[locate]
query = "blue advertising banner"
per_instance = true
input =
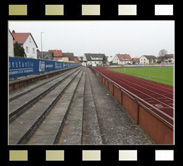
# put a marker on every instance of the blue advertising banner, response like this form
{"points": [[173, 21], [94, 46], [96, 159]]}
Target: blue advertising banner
{"points": [[20, 67]]}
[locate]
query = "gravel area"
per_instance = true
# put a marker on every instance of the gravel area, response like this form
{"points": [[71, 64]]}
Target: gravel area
{"points": [[116, 126]]}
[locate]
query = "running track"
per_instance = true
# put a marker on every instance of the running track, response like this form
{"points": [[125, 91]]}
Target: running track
{"points": [[155, 96]]}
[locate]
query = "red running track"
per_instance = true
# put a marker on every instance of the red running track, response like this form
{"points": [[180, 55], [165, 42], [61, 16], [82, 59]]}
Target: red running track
{"points": [[155, 96]]}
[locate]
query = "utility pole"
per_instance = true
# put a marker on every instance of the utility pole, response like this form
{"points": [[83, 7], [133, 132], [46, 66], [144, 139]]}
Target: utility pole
{"points": [[41, 45]]}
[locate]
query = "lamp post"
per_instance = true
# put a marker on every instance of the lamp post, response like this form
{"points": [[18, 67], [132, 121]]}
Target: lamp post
{"points": [[41, 45]]}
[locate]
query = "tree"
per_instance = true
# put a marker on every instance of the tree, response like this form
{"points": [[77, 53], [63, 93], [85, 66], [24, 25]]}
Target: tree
{"points": [[163, 52], [18, 50], [104, 59]]}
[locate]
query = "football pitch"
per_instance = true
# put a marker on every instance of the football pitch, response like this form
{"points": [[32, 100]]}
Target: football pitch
{"points": [[162, 75]]}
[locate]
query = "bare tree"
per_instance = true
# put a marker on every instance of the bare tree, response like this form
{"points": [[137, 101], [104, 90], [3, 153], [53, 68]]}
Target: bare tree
{"points": [[163, 52]]}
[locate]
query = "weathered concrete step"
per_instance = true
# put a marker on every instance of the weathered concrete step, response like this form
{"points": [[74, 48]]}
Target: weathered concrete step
{"points": [[24, 90], [24, 126], [21, 104], [49, 131], [91, 130], [72, 130], [20, 82]]}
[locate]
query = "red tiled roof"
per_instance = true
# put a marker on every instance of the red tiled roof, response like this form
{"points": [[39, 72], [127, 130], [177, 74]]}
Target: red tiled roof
{"points": [[124, 57], [57, 53], [20, 37], [135, 59]]}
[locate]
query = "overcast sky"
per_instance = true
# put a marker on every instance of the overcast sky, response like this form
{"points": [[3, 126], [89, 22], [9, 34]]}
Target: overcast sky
{"points": [[136, 38]]}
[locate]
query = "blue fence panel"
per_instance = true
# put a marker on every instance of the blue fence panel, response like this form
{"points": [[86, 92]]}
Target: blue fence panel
{"points": [[20, 67]]}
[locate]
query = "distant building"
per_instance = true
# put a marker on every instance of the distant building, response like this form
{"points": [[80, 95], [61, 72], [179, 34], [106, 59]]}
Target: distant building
{"points": [[135, 61], [122, 59], [168, 58], [68, 57], [57, 54], [27, 41], [46, 55], [93, 59], [147, 59], [77, 59], [110, 58], [10, 44]]}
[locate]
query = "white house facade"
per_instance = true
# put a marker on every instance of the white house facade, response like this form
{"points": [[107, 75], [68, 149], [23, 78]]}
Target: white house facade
{"points": [[27, 41], [93, 59], [168, 59], [116, 60], [10, 45], [30, 47], [147, 59], [122, 59]]}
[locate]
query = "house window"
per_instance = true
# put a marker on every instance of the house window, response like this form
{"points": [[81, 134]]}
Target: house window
{"points": [[30, 40], [27, 49], [33, 50]]}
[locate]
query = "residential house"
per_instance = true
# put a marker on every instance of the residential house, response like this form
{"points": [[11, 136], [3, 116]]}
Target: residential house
{"points": [[27, 41], [68, 57], [46, 55], [135, 61], [168, 58], [77, 59], [10, 44], [122, 59], [110, 58], [160, 59], [57, 54], [83, 63], [147, 59], [93, 59]]}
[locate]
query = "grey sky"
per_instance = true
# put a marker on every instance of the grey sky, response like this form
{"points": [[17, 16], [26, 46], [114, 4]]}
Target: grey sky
{"points": [[136, 38]]}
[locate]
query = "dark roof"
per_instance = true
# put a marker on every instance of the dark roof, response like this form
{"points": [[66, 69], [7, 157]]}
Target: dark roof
{"points": [[45, 55], [168, 56], [69, 55], [94, 57], [150, 56]]}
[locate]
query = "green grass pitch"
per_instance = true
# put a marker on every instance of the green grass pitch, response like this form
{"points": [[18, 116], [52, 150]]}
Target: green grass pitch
{"points": [[162, 75]]}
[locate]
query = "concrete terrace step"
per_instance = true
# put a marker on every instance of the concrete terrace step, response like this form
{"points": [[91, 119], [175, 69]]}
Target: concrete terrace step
{"points": [[91, 130], [24, 90], [49, 131], [19, 105], [24, 126], [72, 131]]}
